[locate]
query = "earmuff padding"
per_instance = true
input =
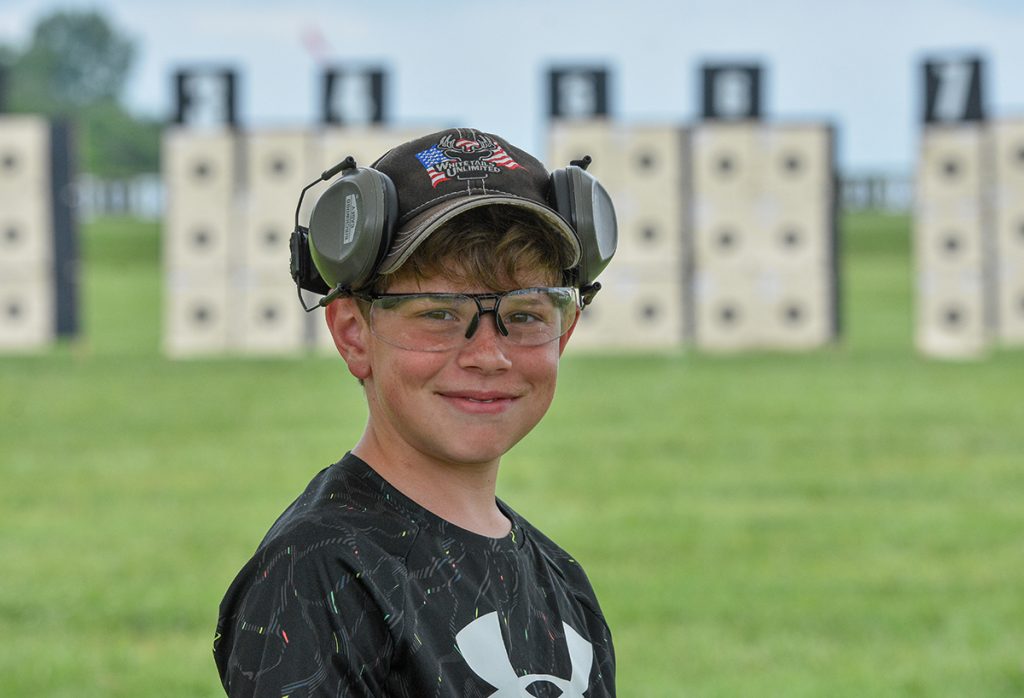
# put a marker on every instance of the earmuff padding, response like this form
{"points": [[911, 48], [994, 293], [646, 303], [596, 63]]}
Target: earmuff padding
{"points": [[351, 226], [580, 199]]}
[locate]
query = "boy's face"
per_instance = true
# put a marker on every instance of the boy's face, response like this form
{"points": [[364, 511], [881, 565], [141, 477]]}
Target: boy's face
{"points": [[467, 405]]}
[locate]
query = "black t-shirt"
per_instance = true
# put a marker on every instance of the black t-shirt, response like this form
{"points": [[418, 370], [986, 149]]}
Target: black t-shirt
{"points": [[359, 591]]}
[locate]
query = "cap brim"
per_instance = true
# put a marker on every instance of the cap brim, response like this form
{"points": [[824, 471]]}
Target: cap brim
{"points": [[419, 228]]}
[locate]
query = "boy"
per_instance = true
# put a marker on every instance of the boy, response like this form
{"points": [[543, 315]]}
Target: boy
{"points": [[398, 572]]}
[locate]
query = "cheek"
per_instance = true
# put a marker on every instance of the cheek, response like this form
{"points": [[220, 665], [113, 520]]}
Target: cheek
{"points": [[542, 368], [398, 374]]}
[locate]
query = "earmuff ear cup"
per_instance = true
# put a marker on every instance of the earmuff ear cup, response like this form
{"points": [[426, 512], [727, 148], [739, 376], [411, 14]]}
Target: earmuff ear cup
{"points": [[351, 226], [585, 204]]}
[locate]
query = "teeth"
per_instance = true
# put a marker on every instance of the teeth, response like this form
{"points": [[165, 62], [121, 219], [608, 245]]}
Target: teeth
{"points": [[483, 401]]}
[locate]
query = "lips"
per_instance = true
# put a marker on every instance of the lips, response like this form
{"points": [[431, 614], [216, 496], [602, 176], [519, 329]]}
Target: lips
{"points": [[479, 402]]}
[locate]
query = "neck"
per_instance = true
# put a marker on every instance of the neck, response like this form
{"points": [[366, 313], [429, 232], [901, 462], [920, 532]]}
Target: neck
{"points": [[460, 493]]}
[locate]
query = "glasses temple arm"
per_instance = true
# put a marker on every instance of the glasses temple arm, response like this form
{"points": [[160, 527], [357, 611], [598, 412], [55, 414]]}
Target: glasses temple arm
{"points": [[338, 291]]}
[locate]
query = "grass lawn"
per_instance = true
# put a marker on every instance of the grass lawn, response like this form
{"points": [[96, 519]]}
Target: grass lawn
{"points": [[843, 523]]}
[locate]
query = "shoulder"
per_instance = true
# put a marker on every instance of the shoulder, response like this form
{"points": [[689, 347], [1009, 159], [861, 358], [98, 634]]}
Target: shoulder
{"points": [[559, 561], [567, 590], [335, 560], [343, 526], [554, 553], [342, 534], [347, 511]]}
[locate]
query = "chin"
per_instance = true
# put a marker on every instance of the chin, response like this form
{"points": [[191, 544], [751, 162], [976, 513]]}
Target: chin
{"points": [[471, 457], [479, 452]]}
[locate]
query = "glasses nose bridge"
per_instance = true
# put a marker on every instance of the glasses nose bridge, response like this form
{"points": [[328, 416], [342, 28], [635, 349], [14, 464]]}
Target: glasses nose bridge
{"points": [[493, 298], [494, 301]]}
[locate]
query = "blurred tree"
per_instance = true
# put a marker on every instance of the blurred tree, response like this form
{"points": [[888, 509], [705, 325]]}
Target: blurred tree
{"points": [[6, 58], [116, 144], [74, 59], [75, 67]]}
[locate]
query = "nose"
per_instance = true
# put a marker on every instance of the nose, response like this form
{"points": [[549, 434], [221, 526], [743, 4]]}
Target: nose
{"points": [[486, 349]]}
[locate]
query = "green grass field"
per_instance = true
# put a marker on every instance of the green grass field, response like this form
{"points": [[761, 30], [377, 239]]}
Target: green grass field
{"points": [[843, 523]]}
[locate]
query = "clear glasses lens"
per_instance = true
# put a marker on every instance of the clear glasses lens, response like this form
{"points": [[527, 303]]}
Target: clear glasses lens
{"points": [[440, 321]]}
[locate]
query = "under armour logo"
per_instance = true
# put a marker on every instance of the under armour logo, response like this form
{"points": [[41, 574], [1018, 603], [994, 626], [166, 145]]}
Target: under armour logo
{"points": [[484, 651]]}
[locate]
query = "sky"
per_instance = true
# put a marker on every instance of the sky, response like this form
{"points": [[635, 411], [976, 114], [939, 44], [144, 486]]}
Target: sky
{"points": [[483, 63]]}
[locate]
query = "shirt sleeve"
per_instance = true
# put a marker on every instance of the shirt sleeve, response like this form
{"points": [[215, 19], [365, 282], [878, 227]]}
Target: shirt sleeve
{"points": [[308, 621]]}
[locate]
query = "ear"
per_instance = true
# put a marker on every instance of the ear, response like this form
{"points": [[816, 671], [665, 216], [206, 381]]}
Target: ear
{"points": [[351, 334], [564, 339]]}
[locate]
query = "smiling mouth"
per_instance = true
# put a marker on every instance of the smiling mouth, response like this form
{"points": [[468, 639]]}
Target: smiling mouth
{"points": [[481, 400]]}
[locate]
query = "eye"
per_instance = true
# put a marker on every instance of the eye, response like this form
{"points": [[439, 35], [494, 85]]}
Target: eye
{"points": [[535, 315], [522, 317], [529, 308], [438, 314], [434, 309]]}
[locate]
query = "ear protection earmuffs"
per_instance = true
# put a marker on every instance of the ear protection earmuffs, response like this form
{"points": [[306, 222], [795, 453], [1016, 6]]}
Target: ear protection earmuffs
{"points": [[351, 227], [353, 222], [580, 199]]}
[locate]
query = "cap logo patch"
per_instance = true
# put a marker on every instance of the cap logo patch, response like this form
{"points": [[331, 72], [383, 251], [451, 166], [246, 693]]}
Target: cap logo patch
{"points": [[464, 159]]}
